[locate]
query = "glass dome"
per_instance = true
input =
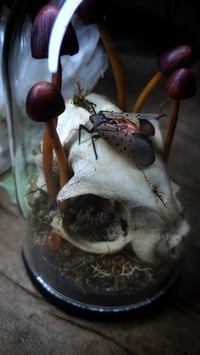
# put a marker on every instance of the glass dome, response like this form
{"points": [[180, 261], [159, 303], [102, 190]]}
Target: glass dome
{"points": [[105, 230]]}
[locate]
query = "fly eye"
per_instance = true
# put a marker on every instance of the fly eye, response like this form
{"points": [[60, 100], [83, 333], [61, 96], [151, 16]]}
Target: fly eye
{"points": [[146, 128]]}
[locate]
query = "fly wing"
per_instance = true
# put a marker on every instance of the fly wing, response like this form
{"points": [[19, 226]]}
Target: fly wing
{"points": [[136, 147], [145, 116], [143, 150], [141, 120], [112, 115], [131, 116]]}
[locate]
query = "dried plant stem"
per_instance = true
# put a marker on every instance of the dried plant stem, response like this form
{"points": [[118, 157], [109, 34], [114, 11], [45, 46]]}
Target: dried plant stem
{"points": [[115, 64], [173, 118], [147, 90]]}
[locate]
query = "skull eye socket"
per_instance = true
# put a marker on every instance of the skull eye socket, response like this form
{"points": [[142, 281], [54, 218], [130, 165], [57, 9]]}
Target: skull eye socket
{"points": [[94, 216]]}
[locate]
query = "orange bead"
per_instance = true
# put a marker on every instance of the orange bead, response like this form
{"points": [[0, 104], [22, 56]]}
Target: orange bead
{"points": [[54, 241], [65, 250]]}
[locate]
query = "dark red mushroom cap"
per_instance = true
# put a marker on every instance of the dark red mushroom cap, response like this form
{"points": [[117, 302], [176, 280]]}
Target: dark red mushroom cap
{"points": [[92, 11], [181, 84], [44, 102], [174, 58], [33, 6], [41, 31], [70, 44]]}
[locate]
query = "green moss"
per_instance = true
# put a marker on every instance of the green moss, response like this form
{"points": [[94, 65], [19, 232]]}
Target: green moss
{"points": [[80, 100]]}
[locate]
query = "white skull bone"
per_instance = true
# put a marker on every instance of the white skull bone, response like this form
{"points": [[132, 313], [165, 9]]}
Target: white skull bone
{"points": [[112, 202]]}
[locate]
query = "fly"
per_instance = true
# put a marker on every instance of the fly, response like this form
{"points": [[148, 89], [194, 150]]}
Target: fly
{"points": [[129, 133]]}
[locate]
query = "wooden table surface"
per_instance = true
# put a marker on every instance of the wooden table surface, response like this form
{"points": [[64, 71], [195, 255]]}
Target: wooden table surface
{"points": [[31, 325]]}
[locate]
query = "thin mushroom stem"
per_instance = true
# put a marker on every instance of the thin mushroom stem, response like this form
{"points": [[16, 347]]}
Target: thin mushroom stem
{"points": [[41, 31], [115, 64], [44, 101], [180, 85], [47, 158], [58, 148], [47, 163], [147, 90], [173, 118], [56, 80]]}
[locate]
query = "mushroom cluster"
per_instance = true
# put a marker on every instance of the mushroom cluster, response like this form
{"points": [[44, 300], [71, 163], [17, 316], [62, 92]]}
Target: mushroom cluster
{"points": [[174, 65]]}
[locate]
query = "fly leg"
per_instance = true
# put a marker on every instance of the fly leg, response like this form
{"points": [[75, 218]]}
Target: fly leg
{"points": [[93, 137], [82, 127]]}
